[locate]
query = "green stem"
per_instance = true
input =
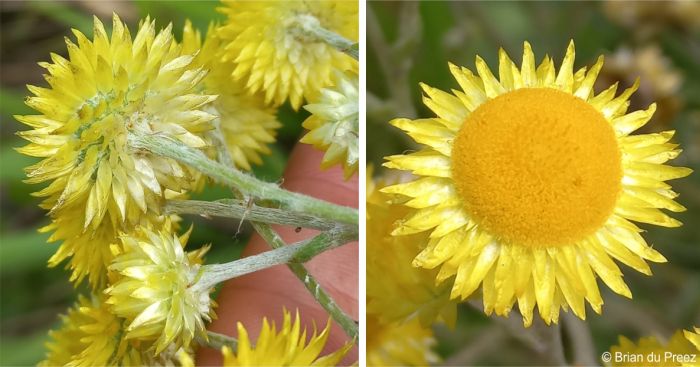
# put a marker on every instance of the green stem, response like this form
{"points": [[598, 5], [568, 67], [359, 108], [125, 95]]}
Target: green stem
{"points": [[324, 299], [246, 184], [231, 208], [309, 26], [301, 252]]}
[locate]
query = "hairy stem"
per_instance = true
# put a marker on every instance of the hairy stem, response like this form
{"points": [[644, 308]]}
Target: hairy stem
{"points": [[324, 299], [275, 241], [246, 184], [299, 252], [308, 26], [231, 208]]}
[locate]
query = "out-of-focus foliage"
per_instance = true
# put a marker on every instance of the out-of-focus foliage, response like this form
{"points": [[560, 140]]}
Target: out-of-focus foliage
{"points": [[31, 295], [658, 42]]}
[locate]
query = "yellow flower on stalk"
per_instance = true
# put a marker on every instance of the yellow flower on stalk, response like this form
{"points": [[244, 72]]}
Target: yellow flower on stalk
{"points": [[334, 124], [104, 91], [397, 291], [286, 347], [247, 123], [270, 56], [528, 185], [650, 351], [156, 293], [90, 336], [407, 344]]}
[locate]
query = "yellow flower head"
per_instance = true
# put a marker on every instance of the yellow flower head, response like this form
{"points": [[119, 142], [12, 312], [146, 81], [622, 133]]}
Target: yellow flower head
{"points": [[106, 89], [650, 352], [247, 123], [89, 252], [334, 124], [259, 38], [693, 337], [156, 292], [407, 344], [397, 291], [288, 347], [528, 185], [90, 336]]}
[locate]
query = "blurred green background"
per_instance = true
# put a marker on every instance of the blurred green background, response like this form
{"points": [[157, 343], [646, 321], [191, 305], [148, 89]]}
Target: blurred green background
{"points": [[32, 296], [412, 42]]}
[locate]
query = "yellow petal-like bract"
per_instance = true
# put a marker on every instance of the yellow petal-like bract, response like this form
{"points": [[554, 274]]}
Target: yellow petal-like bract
{"points": [[396, 291], [258, 37], [90, 335], [407, 344], [649, 351], [334, 124], [528, 185], [156, 293], [286, 347], [247, 123]]}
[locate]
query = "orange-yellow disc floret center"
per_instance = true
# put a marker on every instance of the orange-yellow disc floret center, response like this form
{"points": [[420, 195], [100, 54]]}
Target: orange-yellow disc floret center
{"points": [[537, 167]]}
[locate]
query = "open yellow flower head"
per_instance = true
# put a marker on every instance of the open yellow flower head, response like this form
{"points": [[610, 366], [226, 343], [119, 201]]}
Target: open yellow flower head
{"points": [[407, 344], [157, 293], [334, 124], [247, 123], [528, 185], [649, 351], [397, 291], [106, 89], [90, 335], [286, 347], [270, 56], [693, 337]]}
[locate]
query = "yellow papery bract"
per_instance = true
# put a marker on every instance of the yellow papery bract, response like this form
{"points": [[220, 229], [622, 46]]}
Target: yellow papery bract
{"points": [[466, 215], [155, 292], [396, 291], [107, 89], [269, 56], [90, 335], [407, 344], [248, 124], [286, 347], [649, 351], [334, 124]]}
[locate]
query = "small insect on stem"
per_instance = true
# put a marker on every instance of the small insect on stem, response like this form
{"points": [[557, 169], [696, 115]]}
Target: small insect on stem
{"points": [[248, 207]]}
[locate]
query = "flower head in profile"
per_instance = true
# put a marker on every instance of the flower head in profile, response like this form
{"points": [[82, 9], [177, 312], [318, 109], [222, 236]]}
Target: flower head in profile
{"points": [[678, 351], [247, 124], [286, 347], [270, 56], [406, 344], [398, 291], [334, 124], [105, 90], [90, 335], [528, 186], [156, 291]]}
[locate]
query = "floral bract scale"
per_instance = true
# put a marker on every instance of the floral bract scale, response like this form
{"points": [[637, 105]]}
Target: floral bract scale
{"points": [[271, 58], [334, 124]]}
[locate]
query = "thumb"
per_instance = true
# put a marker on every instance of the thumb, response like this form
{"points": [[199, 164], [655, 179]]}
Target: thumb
{"points": [[249, 298]]}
